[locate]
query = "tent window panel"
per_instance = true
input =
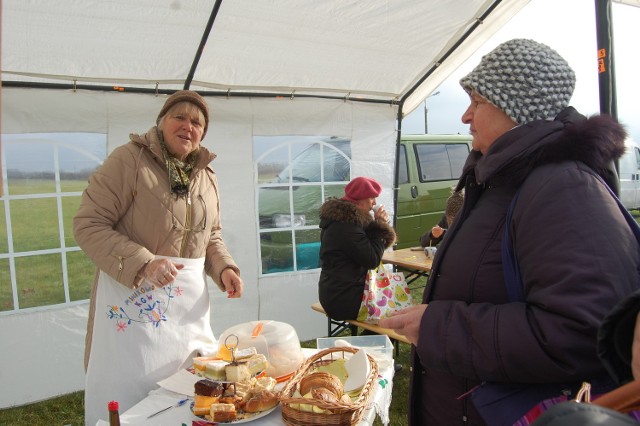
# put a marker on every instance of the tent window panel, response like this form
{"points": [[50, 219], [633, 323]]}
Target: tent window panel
{"points": [[4, 242], [276, 250], [308, 249], [81, 271], [316, 168], [69, 208], [6, 295], [306, 202], [44, 175], [34, 224], [39, 280]]}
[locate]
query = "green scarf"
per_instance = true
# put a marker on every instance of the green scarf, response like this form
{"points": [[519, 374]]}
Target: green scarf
{"points": [[179, 171]]}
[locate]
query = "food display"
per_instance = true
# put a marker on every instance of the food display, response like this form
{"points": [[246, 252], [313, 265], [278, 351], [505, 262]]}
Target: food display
{"points": [[233, 390], [277, 341], [316, 393]]}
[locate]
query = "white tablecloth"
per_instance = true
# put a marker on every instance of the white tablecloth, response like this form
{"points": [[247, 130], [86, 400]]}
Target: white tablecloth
{"points": [[161, 398]]}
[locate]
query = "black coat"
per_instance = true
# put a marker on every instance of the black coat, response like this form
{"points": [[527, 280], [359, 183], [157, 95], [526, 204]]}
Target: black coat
{"points": [[351, 243], [616, 336], [577, 258]]}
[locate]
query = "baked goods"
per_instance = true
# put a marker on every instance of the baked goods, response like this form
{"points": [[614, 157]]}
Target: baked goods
{"points": [[238, 372], [247, 397], [256, 364], [221, 412], [248, 363], [321, 379], [206, 392], [262, 384], [261, 402], [215, 369], [200, 362]]}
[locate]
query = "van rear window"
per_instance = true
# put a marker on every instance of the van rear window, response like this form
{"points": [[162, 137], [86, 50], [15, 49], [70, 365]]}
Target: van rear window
{"points": [[440, 161]]}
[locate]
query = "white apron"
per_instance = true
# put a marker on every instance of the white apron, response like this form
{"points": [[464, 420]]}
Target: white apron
{"points": [[145, 335]]}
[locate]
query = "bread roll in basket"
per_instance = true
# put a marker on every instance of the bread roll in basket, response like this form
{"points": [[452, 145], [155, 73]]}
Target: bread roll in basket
{"points": [[327, 394]]}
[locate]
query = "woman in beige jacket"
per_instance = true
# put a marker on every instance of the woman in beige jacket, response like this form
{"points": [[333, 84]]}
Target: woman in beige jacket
{"points": [[150, 221]]}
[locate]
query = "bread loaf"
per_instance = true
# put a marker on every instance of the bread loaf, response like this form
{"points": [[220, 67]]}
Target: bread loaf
{"points": [[325, 380], [324, 394]]}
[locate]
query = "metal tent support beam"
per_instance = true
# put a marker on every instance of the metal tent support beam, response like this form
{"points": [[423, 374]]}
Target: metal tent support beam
{"points": [[606, 70]]}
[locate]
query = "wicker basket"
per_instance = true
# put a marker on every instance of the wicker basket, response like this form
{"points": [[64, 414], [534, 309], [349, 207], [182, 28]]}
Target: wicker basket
{"points": [[341, 413]]}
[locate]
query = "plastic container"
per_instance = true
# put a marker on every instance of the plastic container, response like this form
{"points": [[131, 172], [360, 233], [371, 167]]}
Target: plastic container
{"points": [[378, 346], [278, 341]]}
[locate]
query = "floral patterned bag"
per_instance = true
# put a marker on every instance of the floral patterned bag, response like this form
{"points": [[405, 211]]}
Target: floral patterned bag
{"points": [[384, 293]]}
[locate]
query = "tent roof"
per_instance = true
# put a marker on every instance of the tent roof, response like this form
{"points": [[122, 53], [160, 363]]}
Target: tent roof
{"points": [[395, 51]]}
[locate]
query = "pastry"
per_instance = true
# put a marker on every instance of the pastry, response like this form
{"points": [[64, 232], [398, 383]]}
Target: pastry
{"points": [[321, 380], [261, 402], [223, 412]]}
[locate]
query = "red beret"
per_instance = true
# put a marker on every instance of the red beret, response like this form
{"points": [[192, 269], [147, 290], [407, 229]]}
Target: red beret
{"points": [[361, 188]]}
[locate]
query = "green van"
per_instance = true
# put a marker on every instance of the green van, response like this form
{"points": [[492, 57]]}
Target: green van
{"points": [[428, 167], [288, 204]]}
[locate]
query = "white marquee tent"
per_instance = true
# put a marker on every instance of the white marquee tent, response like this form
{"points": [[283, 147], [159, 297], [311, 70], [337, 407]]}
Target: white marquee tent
{"points": [[267, 67]]}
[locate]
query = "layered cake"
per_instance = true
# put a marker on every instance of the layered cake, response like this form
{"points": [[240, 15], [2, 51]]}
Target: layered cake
{"points": [[206, 392]]}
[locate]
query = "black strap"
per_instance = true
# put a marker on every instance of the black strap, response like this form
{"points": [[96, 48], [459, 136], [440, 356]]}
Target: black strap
{"points": [[510, 268]]}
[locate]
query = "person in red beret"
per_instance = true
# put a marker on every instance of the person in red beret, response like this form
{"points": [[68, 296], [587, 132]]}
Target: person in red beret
{"points": [[353, 238]]}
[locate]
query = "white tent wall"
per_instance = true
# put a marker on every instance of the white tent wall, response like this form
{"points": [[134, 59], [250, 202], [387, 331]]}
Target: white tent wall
{"points": [[47, 344]]}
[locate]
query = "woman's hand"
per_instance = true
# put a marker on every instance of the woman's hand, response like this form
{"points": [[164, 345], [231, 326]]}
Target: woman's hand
{"points": [[437, 231], [232, 282], [161, 272], [379, 213], [406, 322]]}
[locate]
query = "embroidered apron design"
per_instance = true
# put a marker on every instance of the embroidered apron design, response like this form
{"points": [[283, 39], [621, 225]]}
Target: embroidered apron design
{"points": [[144, 335]]}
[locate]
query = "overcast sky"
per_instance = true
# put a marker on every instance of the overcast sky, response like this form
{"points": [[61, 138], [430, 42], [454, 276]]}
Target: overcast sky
{"points": [[568, 26]]}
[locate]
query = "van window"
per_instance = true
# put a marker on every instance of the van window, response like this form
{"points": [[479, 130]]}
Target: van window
{"points": [[403, 168], [440, 161]]}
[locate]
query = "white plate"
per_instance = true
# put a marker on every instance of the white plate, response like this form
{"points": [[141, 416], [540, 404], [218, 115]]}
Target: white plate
{"points": [[249, 416], [358, 368]]}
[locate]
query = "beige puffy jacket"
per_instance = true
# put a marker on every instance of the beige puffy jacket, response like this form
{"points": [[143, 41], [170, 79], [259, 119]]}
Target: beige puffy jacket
{"points": [[127, 215]]}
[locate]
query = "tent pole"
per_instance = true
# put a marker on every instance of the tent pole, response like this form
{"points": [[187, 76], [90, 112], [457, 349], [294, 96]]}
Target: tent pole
{"points": [[203, 42], [396, 169], [606, 71]]}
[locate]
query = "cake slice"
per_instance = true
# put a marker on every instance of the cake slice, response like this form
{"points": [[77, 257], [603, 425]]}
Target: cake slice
{"points": [[216, 370], [223, 412], [256, 364], [242, 354], [206, 392], [200, 362], [238, 372]]}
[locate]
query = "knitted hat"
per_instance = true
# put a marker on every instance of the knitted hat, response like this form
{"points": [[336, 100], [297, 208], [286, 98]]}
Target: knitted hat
{"points": [[525, 79], [186, 96], [360, 188]]}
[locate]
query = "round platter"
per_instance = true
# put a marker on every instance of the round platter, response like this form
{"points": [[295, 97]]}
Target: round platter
{"points": [[242, 417]]}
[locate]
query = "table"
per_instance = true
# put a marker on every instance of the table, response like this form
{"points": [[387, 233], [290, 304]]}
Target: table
{"points": [[372, 327], [161, 398], [412, 260]]}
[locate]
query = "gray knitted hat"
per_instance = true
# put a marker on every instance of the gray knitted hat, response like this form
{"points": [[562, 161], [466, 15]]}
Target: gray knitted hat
{"points": [[525, 79]]}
